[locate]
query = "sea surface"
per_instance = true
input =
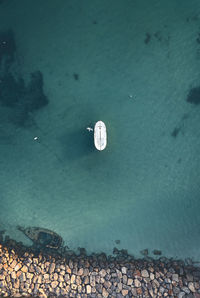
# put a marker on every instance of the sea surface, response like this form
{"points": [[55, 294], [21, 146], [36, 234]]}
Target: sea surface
{"points": [[134, 64]]}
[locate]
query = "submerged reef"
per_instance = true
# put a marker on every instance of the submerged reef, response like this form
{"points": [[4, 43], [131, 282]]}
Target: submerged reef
{"points": [[22, 99], [194, 96], [25, 272], [19, 98]]}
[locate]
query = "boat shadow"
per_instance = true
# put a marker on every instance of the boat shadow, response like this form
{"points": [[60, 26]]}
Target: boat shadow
{"points": [[77, 144]]}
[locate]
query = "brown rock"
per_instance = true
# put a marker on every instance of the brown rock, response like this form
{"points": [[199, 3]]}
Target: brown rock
{"points": [[107, 284], [124, 292], [2, 277], [67, 277], [79, 289], [29, 275], [86, 280], [130, 281], [54, 284], [74, 286], [191, 287], [80, 271], [124, 279], [68, 270], [139, 291], [16, 284], [124, 270], [137, 273], [78, 280], [13, 264], [22, 276], [52, 268], [39, 279], [60, 278], [46, 276], [17, 267], [105, 294], [88, 289], [24, 269], [145, 273], [137, 283], [55, 276], [13, 275], [119, 285], [102, 273], [73, 279]]}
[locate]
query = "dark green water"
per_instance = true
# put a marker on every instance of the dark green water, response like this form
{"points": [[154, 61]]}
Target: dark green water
{"points": [[132, 64]]}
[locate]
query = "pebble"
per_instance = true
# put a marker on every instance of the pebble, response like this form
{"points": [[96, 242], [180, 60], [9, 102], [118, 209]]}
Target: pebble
{"points": [[124, 292], [88, 289], [17, 267], [175, 277], [54, 284], [124, 270], [191, 287], [52, 268], [145, 273], [137, 283], [105, 293]]}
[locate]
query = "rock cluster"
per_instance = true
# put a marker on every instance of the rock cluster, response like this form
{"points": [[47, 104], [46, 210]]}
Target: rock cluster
{"points": [[94, 276]]}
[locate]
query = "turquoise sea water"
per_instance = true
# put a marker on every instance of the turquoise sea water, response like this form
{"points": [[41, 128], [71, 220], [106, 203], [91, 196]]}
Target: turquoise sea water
{"points": [[132, 65]]}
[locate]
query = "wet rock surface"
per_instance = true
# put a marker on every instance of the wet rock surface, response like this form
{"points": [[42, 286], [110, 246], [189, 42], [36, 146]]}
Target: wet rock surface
{"points": [[24, 272]]}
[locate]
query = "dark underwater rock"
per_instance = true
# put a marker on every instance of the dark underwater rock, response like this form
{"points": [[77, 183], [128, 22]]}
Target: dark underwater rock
{"points": [[22, 99], [144, 252], [175, 132], [11, 90], [157, 252], [35, 97], [194, 96]]}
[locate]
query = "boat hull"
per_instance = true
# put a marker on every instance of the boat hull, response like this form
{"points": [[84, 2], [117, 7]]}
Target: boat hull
{"points": [[42, 237], [100, 136]]}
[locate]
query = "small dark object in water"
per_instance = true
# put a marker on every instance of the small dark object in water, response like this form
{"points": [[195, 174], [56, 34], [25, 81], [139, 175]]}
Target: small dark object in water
{"points": [[148, 38], [82, 251], [94, 22], [198, 38], [117, 241], [76, 76], [42, 237], [144, 252], [1, 235], [157, 252], [194, 96], [175, 132]]}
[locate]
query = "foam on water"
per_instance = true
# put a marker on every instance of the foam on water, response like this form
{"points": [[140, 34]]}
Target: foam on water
{"points": [[144, 188]]}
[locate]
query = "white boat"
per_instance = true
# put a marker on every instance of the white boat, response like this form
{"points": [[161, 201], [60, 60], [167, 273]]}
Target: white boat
{"points": [[100, 135]]}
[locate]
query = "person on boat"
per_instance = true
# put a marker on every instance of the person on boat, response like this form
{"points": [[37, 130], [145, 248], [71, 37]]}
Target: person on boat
{"points": [[89, 129]]}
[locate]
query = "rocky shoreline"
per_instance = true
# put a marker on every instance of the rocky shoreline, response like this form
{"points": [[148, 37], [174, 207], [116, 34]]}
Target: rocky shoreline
{"points": [[25, 272]]}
